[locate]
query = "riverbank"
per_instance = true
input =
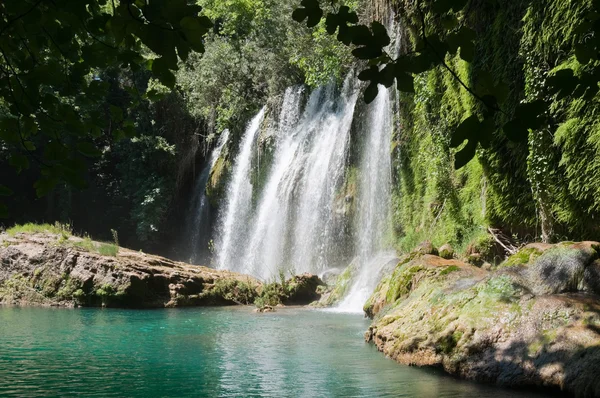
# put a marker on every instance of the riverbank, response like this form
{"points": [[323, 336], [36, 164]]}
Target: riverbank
{"points": [[533, 321], [49, 266]]}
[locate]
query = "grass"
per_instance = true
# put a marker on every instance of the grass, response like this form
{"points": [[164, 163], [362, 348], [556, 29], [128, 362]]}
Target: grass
{"points": [[65, 230], [108, 249]]}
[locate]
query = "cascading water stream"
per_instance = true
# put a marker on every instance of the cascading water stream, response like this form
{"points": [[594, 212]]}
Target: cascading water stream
{"points": [[293, 224], [239, 196], [374, 201], [374, 204], [198, 228]]}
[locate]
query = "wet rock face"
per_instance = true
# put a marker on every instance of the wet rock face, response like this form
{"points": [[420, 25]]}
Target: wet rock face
{"points": [[42, 269], [535, 321]]}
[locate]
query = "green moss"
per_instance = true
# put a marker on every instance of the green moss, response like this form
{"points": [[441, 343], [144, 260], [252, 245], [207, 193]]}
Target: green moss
{"points": [[342, 284], [450, 269], [401, 281], [522, 257], [236, 291]]}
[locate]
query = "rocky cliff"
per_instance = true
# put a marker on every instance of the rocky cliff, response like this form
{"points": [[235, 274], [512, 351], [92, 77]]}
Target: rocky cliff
{"points": [[532, 321]]}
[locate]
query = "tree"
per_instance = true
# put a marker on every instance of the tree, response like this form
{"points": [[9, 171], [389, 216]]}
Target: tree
{"points": [[52, 54]]}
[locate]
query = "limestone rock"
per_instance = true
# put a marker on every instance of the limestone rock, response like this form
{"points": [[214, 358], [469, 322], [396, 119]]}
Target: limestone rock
{"points": [[533, 323], [425, 247], [44, 269]]}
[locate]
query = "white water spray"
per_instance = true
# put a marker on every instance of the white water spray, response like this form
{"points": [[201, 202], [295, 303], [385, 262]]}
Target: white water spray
{"points": [[239, 196]]}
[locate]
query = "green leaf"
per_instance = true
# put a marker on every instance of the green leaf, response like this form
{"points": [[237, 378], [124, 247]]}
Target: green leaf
{"points": [[312, 12], [467, 130], [465, 155], [369, 74], [516, 131], [5, 191], [467, 52], [19, 162], [30, 146], [585, 54], [563, 83], [380, 35], [361, 35], [116, 113], [299, 14], [367, 52], [88, 149], [161, 70], [45, 186], [405, 82], [371, 93]]}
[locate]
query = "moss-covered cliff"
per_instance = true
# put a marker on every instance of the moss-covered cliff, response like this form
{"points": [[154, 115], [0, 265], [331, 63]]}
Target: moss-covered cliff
{"points": [[543, 189]]}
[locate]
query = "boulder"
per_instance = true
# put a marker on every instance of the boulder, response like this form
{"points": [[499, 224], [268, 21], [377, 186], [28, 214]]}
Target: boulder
{"points": [[303, 289], [425, 247], [446, 251]]}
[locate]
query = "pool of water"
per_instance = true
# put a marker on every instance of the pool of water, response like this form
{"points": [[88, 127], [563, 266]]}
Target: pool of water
{"points": [[227, 352]]}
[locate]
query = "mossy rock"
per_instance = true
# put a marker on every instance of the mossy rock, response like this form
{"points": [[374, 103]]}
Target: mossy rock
{"points": [[446, 251], [413, 273], [338, 291]]}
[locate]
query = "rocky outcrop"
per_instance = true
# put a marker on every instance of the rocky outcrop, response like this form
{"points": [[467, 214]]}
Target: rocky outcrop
{"points": [[303, 289], [534, 321], [48, 269]]}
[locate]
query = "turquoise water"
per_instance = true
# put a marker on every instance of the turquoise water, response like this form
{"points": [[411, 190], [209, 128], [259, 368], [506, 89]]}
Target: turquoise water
{"points": [[229, 352]]}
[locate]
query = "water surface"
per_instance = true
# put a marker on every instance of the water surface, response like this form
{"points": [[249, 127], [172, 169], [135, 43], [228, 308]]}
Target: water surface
{"points": [[227, 352]]}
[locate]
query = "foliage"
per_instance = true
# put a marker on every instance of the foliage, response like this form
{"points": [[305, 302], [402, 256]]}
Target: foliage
{"points": [[237, 291], [271, 295], [253, 55], [53, 56], [57, 228], [442, 33]]}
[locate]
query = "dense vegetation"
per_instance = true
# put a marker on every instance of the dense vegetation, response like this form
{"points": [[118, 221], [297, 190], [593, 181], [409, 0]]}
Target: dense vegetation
{"points": [[484, 60], [150, 131]]}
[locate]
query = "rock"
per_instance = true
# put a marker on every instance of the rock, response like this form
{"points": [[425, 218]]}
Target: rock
{"points": [[333, 294], [329, 277], [44, 269], [265, 308], [561, 269], [425, 247], [446, 251], [303, 289], [524, 325], [411, 272]]}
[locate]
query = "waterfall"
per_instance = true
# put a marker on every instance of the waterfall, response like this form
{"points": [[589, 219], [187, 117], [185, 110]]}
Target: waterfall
{"points": [[374, 201], [290, 220], [199, 227], [239, 196], [293, 226], [374, 204]]}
